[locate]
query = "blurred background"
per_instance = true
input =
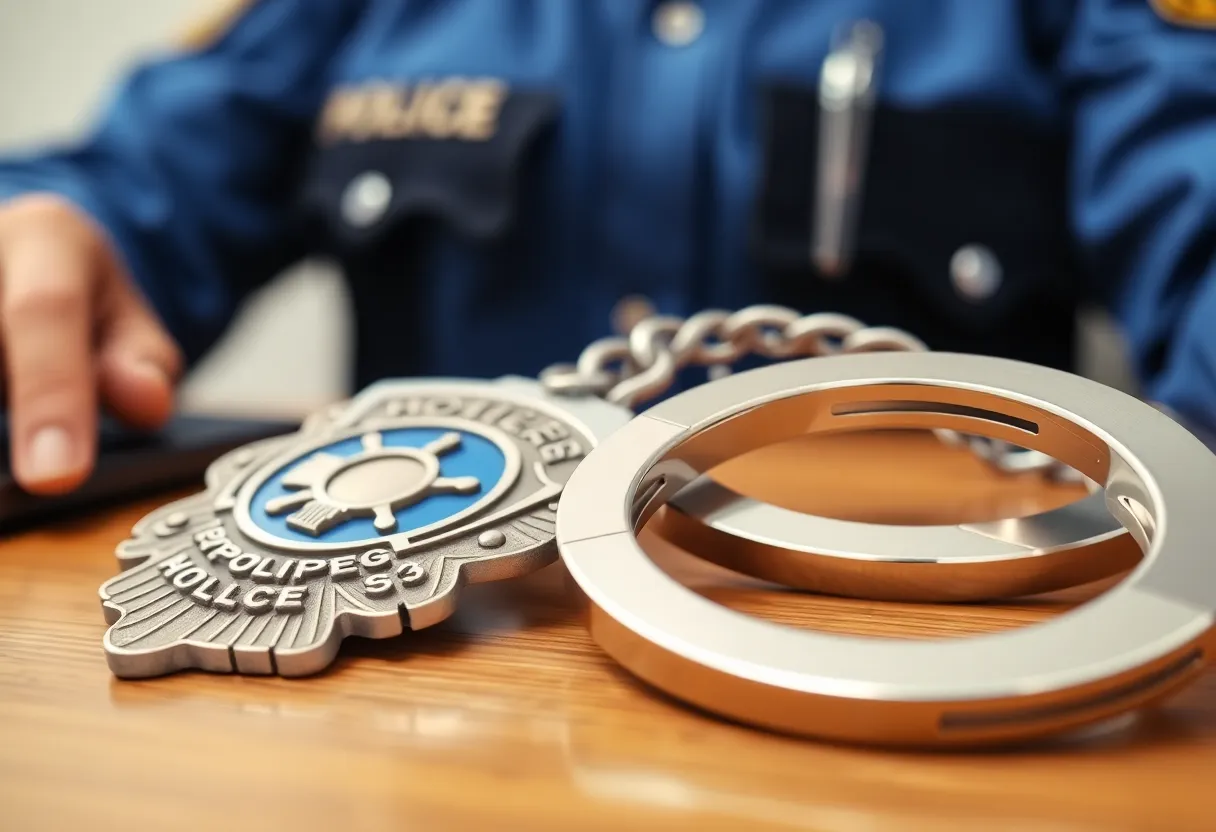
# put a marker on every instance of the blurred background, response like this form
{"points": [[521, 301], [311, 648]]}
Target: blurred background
{"points": [[58, 58], [289, 351]]}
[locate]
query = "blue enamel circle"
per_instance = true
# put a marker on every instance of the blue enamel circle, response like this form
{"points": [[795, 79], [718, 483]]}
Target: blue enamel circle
{"points": [[476, 456]]}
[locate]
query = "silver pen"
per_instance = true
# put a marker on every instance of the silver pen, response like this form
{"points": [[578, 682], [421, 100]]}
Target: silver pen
{"points": [[847, 84]]}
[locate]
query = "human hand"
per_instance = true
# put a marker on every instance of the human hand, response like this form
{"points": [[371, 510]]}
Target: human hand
{"points": [[75, 335]]}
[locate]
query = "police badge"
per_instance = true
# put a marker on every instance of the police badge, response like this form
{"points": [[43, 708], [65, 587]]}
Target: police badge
{"points": [[366, 522]]}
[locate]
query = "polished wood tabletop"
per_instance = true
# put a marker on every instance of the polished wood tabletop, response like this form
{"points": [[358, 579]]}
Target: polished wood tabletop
{"points": [[507, 716]]}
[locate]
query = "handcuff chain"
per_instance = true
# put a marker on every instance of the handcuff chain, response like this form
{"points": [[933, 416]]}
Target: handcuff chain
{"points": [[630, 370]]}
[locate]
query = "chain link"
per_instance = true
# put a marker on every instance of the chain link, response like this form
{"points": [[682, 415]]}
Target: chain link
{"points": [[630, 370]]}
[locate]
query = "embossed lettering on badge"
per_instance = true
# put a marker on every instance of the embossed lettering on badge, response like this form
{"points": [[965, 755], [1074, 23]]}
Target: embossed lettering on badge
{"points": [[366, 522]]}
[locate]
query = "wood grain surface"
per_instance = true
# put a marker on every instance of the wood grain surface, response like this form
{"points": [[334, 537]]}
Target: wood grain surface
{"points": [[508, 717]]}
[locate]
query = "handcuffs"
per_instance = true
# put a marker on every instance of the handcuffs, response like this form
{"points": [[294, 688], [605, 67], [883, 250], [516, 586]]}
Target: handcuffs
{"points": [[1133, 645], [370, 519], [1068, 546]]}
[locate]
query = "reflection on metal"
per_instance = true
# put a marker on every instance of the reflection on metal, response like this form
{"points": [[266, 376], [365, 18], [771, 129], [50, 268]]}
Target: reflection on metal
{"points": [[1069, 546]]}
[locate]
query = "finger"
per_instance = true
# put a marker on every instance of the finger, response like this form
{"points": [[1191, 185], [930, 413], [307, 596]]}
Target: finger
{"points": [[45, 324], [139, 363]]}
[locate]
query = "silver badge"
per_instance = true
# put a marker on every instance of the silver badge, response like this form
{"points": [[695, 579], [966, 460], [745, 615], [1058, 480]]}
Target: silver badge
{"points": [[366, 522]]}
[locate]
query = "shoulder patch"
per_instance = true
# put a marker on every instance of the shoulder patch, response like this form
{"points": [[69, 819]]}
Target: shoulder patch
{"points": [[206, 30], [1198, 14]]}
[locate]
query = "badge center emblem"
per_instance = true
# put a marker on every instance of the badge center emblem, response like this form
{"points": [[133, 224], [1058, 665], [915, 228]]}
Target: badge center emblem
{"points": [[392, 479], [376, 481]]}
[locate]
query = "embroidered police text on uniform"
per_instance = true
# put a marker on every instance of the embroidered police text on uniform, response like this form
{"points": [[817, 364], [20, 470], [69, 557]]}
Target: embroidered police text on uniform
{"points": [[451, 108]]}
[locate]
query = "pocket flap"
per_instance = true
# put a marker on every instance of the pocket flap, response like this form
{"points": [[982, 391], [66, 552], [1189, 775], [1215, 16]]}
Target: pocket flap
{"points": [[454, 150], [937, 183]]}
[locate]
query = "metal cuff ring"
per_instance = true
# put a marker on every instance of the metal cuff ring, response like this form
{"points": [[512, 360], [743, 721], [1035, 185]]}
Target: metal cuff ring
{"points": [[1065, 547], [1133, 645]]}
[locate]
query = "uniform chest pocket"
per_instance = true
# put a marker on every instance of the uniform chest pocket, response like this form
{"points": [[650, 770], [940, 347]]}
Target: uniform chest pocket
{"points": [[454, 150], [962, 221]]}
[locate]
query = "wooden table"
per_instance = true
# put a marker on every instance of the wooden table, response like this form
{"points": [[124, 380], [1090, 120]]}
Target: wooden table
{"points": [[508, 717]]}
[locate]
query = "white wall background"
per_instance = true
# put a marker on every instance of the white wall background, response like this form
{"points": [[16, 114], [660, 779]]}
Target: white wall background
{"points": [[289, 350]]}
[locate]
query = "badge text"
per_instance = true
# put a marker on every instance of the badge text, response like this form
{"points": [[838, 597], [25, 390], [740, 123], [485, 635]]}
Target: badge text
{"points": [[550, 437]]}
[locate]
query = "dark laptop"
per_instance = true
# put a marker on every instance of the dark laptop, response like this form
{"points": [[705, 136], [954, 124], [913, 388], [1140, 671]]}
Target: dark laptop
{"points": [[133, 464]]}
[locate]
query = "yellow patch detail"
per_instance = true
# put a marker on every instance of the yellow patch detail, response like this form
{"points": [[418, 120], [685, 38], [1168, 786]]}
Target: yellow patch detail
{"points": [[205, 31], [1196, 13]]}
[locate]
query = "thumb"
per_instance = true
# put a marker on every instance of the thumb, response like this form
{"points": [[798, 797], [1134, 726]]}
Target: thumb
{"points": [[138, 363]]}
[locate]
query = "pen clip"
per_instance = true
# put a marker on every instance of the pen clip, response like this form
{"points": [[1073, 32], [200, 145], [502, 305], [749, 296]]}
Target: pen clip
{"points": [[847, 84]]}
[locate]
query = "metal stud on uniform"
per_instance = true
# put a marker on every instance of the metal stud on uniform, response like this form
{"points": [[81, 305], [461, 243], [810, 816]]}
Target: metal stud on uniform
{"points": [[975, 272], [678, 22], [366, 199]]}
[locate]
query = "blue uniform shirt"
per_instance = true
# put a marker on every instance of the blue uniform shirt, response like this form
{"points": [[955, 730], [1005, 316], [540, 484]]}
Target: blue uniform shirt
{"points": [[494, 175]]}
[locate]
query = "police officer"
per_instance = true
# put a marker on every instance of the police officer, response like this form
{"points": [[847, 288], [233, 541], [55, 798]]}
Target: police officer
{"points": [[495, 176]]}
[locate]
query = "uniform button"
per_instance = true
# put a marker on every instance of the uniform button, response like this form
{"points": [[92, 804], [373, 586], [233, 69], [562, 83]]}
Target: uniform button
{"points": [[366, 199], [678, 22], [975, 272], [629, 311]]}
